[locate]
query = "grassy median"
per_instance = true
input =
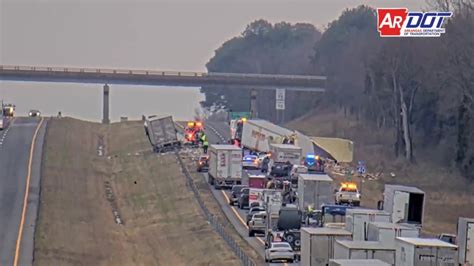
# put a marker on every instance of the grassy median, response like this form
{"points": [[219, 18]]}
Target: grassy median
{"points": [[163, 224]]}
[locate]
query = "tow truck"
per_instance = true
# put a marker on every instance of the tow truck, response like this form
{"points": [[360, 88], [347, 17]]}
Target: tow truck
{"points": [[348, 194], [192, 130]]}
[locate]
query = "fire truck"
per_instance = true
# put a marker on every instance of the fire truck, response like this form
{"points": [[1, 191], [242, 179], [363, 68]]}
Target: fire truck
{"points": [[193, 131]]}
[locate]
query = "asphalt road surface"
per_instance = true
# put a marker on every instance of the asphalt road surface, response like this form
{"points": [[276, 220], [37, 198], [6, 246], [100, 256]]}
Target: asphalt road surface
{"points": [[219, 132], [15, 154]]}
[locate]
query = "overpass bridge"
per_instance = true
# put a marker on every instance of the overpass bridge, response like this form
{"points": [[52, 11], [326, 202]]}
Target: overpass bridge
{"points": [[161, 78]]}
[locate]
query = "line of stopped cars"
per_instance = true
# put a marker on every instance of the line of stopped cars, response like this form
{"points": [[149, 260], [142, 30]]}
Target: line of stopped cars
{"points": [[291, 204]]}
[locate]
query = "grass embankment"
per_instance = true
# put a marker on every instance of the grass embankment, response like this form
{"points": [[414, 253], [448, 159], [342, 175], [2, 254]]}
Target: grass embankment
{"points": [[449, 195], [163, 224]]}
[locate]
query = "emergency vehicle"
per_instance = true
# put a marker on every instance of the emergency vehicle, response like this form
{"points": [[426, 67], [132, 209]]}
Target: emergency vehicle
{"points": [[236, 127], [348, 194], [8, 110], [314, 163], [193, 130]]}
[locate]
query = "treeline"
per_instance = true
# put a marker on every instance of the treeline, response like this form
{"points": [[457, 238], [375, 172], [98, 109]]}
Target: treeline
{"points": [[264, 48], [415, 86]]}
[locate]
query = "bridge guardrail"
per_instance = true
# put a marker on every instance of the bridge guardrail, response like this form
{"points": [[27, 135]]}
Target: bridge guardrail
{"points": [[104, 71], [160, 73]]}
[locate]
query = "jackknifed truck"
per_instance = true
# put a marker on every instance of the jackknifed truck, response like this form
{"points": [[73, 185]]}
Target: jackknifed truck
{"points": [[257, 135], [161, 133], [225, 166]]}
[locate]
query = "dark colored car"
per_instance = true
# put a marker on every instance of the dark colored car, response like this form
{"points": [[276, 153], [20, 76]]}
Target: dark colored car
{"points": [[244, 198], [203, 163], [252, 211], [34, 113], [235, 194], [281, 170]]}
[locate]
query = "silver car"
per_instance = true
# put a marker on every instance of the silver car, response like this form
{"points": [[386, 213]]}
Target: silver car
{"points": [[279, 251]]}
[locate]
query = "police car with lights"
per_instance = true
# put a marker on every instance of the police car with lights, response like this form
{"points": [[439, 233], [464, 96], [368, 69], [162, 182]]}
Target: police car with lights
{"points": [[250, 162], [314, 163]]}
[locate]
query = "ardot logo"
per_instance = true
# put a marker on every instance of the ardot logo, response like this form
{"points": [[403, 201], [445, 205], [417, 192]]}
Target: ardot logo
{"points": [[398, 22]]}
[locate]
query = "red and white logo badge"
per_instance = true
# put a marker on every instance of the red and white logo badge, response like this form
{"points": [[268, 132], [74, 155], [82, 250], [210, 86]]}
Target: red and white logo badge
{"points": [[398, 22]]}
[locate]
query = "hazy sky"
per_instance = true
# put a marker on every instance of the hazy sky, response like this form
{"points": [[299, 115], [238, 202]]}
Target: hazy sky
{"points": [[154, 34]]}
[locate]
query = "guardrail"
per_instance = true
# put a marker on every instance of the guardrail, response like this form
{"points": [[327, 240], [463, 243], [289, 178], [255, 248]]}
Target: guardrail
{"points": [[101, 70], [218, 227]]}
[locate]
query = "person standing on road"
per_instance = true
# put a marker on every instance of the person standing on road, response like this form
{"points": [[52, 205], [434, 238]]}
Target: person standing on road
{"points": [[265, 163], [203, 138], [205, 145]]}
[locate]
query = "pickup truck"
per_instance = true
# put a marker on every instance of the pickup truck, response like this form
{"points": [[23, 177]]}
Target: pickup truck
{"points": [[257, 223], [348, 194]]}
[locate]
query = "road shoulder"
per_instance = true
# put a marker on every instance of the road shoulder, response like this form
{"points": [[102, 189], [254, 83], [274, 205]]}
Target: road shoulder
{"points": [[26, 255]]}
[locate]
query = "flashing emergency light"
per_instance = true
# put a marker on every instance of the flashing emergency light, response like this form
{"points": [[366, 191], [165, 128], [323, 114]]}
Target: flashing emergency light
{"points": [[310, 159], [244, 119], [190, 124], [199, 124], [349, 185]]}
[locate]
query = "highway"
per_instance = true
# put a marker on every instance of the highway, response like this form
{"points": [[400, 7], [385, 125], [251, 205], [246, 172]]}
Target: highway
{"points": [[20, 164], [220, 132]]}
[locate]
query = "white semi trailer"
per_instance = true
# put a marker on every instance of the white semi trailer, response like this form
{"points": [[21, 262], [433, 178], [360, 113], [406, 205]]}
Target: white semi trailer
{"points": [[466, 241], [412, 251], [162, 133], [257, 135], [406, 204], [225, 166]]}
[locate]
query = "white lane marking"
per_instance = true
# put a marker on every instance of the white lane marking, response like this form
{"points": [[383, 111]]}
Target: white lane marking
{"points": [[217, 133]]}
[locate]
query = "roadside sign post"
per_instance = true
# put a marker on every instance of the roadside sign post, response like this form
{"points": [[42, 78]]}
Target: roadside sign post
{"points": [[280, 95]]}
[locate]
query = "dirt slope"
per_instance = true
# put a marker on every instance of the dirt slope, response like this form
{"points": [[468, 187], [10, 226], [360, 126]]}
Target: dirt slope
{"points": [[163, 224], [449, 195]]}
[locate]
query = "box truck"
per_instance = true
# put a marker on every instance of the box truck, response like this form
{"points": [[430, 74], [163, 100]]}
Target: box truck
{"points": [[466, 241], [357, 221], [357, 263], [161, 133], [406, 204], [314, 190], [424, 252], [282, 153], [347, 249], [225, 166], [317, 244], [386, 232], [257, 181]]}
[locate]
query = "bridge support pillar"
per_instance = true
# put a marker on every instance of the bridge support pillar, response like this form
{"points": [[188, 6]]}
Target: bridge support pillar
{"points": [[253, 103], [105, 114]]}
